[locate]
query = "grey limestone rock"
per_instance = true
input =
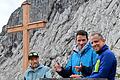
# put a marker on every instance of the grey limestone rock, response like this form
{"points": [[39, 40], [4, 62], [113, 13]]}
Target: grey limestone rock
{"points": [[55, 41]]}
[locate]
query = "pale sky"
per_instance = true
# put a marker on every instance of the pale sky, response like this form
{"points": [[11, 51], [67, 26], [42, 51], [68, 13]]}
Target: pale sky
{"points": [[7, 7]]}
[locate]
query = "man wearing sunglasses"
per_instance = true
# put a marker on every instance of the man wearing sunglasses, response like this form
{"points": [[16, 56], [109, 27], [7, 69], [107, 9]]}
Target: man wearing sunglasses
{"points": [[36, 70]]}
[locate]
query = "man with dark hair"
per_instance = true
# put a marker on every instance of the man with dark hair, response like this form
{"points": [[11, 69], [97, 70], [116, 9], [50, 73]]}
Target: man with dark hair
{"points": [[36, 70], [105, 66], [82, 59]]}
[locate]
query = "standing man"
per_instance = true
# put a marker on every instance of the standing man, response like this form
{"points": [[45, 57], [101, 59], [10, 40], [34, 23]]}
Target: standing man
{"points": [[106, 63], [83, 57], [36, 70]]}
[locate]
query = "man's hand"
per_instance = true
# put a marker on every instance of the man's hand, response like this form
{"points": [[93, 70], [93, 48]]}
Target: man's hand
{"points": [[78, 68], [57, 67]]}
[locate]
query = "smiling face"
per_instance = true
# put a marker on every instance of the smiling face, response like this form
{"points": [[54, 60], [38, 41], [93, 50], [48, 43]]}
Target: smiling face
{"points": [[97, 42], [81, 40]]}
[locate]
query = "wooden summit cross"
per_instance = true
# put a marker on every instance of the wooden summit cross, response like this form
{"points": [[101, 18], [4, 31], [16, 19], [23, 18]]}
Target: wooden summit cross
{"points": [[25, 27]]}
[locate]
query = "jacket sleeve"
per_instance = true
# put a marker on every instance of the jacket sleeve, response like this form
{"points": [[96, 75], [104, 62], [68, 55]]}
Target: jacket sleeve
{"points": [[86, 71], [104, 67], [67, 71]]}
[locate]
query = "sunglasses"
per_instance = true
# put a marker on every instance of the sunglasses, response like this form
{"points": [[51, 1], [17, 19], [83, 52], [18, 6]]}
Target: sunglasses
{"points": [[33, 54]]}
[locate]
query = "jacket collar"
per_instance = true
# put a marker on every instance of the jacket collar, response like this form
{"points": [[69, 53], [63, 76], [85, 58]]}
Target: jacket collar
{"points": [[39, 66], [104, 48], [86, 47]]}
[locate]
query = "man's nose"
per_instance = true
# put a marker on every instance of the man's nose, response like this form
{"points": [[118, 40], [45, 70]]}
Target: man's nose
{"points": [[81, 42], [34, 60]]}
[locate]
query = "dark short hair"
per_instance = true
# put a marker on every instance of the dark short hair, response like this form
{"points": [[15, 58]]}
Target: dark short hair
{"points": [[33, 54], [83, 33]]}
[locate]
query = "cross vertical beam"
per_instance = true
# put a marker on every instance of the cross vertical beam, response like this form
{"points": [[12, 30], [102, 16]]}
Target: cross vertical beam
{"points": [[25, 7]]}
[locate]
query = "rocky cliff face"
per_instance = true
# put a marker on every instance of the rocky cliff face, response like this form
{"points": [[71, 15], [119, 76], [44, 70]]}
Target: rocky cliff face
{"points": [[55, 41]]}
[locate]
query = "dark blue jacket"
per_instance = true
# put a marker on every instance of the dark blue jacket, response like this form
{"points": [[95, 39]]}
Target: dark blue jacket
{"points": [[86, 56], [106, 64]]}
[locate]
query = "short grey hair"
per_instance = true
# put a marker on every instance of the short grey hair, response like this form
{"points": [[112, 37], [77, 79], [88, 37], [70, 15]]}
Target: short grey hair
{"points": [[96, 33]]}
